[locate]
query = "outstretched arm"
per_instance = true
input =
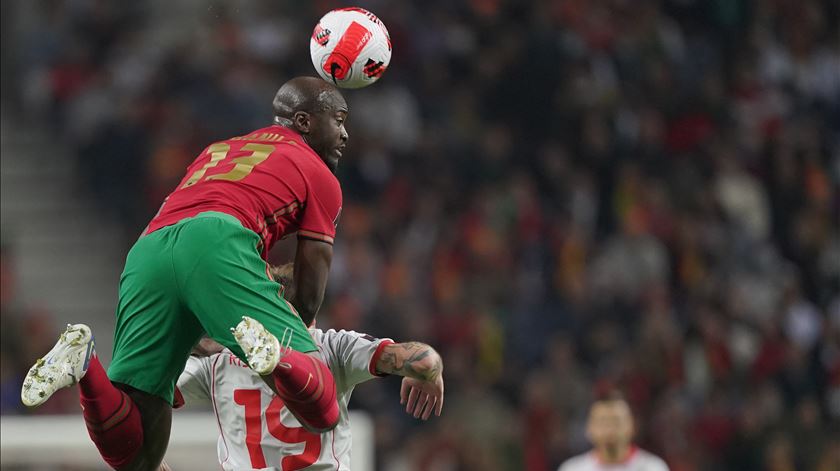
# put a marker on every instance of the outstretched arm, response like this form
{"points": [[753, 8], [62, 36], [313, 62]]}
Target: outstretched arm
{"points": [[411, 359], [422, 368]]}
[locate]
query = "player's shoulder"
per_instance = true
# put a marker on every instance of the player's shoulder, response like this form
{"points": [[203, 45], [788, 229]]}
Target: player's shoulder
{"points": [[652, 462], [339, 343], [286, 142], [317, 172], [333, 335], [582, 462], [267, 135], [202, 360]]}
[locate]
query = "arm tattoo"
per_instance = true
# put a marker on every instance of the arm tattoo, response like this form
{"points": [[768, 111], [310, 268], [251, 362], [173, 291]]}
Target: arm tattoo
{"points": [[406, 359]]}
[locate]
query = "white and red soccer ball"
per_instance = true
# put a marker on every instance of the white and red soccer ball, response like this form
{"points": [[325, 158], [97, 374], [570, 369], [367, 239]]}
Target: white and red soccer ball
{"points": [[350, 47]]}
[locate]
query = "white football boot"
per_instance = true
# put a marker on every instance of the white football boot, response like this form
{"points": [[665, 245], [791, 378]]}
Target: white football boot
{"points": [[261, 347], [63, 366]]}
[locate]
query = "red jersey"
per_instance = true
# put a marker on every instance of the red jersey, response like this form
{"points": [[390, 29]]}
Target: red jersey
{"points": [[270, 180]]}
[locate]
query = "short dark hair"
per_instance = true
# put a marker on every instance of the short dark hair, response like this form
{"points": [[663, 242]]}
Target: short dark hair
{"points": [[283, 274], [608, 393]]}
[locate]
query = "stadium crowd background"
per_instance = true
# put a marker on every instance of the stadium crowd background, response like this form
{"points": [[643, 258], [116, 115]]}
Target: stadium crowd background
{"points": [[561, 196]]}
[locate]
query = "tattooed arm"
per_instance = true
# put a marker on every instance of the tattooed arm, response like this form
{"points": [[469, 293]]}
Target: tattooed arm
{"points": [[422, 368], [412, 359]]}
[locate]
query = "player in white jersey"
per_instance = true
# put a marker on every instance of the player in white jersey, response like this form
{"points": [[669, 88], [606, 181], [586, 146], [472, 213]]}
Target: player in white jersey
{"points": [[258, 432], [610, 430]]}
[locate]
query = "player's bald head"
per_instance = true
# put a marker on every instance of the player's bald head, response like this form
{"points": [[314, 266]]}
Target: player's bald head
{"points": [[308, 94], [316, 110]]}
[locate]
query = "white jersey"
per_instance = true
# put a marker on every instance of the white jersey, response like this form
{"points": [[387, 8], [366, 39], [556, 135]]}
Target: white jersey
{"points": [[256, 429], [639, 460]]}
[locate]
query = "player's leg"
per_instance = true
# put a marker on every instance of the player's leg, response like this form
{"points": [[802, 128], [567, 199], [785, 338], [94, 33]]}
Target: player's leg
{"points": [[303, 381], [154, 331], [112, 418], [153, 337], [156, 416], [224, 278]]}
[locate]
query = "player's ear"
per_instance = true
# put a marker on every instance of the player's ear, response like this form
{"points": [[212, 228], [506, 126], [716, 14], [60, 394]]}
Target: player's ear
{"points": [[302, 122]]}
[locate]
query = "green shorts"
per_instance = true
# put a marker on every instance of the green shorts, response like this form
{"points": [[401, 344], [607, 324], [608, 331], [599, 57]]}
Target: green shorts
{"points": [[199, 275]]}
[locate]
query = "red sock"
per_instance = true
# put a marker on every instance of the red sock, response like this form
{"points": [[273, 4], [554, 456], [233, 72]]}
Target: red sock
{"points": [[112, 419], [308, 389]]}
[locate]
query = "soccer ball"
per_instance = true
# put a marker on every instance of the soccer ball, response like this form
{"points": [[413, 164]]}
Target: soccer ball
{"points": [[350, 47]]}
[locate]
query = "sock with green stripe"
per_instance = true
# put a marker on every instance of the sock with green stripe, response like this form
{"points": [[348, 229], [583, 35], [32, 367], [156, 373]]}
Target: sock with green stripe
{"points": [[112, 419]]}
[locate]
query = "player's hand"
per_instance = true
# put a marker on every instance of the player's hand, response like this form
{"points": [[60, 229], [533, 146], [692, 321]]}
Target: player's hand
{"points": [[164, 467], [422, 397]]}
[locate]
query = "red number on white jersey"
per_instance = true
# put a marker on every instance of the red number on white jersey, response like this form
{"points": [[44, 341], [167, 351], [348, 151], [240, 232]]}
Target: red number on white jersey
{"points": [[251, 399]]}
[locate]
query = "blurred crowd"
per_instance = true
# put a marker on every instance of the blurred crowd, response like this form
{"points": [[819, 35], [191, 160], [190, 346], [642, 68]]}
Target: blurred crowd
{"points": [[561, 196]]}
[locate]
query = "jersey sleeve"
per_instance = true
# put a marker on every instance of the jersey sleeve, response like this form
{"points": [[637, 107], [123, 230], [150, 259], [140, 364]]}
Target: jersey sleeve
{"points": [[354, 354], [194, 382], [322, 209]]}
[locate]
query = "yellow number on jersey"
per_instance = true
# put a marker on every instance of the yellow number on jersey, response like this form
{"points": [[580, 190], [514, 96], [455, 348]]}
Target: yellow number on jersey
{"points": [[244, 165], [218, 152]]}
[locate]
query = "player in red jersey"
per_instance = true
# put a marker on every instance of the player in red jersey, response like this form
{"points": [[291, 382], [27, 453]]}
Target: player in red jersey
{"points": [[200, 267]]}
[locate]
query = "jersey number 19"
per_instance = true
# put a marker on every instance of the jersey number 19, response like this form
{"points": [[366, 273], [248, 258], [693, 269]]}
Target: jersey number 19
{"points": [[251, 399]]}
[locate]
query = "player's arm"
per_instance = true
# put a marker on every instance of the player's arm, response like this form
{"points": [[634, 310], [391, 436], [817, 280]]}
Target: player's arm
{"points": [[315, 237], [422, 369], [312, 266], [410, 359]]}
